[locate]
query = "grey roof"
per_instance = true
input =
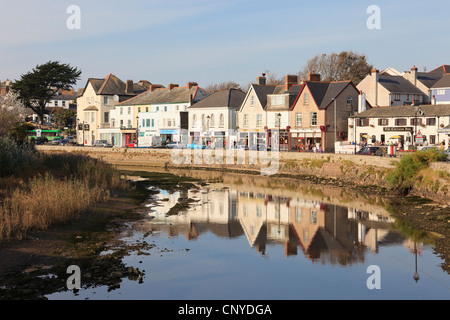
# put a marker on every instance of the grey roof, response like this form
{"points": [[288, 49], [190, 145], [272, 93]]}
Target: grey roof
{"points": [[166, 95], [428, 79], [443, 83], [262, 91], [405, 111], [231, 98], [112, 85], [323, 92], [398, 84], [442, 70]]}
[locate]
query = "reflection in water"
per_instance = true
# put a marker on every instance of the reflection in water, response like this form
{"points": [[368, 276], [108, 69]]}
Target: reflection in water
{"points": [[320, 231]]}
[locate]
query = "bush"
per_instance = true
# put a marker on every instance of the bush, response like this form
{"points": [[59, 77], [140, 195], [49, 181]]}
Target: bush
{"points": [[407, 170], [14, 155]]}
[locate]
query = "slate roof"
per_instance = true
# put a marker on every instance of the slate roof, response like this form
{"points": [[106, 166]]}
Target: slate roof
{"points": [[231, 98], [443, 83], [442, 70], [323, 92], [428, 79], [112, 85], [398, 84], [166, 95], [405, 111]]}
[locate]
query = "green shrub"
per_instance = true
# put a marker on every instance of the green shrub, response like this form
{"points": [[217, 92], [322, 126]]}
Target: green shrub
{"points": [[408, 168], [14, 155]]}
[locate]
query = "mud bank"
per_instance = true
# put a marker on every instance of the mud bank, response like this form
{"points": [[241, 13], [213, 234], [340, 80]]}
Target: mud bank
{"points": [[338, 169]]}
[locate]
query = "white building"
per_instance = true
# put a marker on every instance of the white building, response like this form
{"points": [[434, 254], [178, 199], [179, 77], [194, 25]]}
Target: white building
{"points": [[213, 120], [420, 124]]}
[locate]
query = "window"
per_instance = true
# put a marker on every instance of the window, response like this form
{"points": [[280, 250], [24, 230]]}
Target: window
{"points": [[148, 122], [306, 99], [129, 110], [298, 119], [397, 97], [139, 109], [313, 119], [129, 123], [349, 101], [194, 120], [146, 109], [431, 122], [245, 120], [432, 139], [121, 123], [105, 100], [92, 117], [143, 122], [153, 123], [221, 121], [165, 108], [169, 122], [440, 92], [363, 122], [212, 122], [121, 110], [157, 108], [63, 103], [400, 122], [383, 122], [253, 101], [259, 120], [415, 121], [106, 117], [298, 214], [277, 100], [313, 216]]}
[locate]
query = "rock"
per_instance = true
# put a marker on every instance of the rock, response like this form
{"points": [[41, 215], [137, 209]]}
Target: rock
{"points": [[115, 274]]}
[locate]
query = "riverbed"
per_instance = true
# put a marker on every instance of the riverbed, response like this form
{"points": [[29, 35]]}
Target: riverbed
{"points": [[250, 237]]}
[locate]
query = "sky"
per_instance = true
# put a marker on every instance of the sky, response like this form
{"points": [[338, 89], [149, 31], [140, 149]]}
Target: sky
{"points": [[211, 41]]}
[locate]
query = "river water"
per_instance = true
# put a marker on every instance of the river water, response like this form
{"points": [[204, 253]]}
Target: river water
{"points": [[252, 237]]}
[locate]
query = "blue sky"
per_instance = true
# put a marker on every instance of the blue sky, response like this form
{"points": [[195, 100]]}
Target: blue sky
{"points": [[213, 41]]}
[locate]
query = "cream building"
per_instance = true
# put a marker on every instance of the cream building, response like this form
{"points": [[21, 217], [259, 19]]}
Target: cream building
{"points": [[98, 100]]}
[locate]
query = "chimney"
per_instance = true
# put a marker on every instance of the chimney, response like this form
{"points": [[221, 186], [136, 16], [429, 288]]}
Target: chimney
{"points": [[171, 86], [192, 84], [289, 80], [129, 87], [144, 83], [261, 80], [376, 79], [362, 102], [153, 87], [414, 75], [313, 76]]}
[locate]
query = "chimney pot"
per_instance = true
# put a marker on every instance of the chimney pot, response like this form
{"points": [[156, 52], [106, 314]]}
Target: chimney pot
{"points": [[289, 81], [313, 76], [172, 85], [192, 84], [261, 80]]}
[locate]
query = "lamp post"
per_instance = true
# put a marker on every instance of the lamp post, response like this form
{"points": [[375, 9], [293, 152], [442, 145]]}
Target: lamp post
{"points": [[82, 128], [137, 131], [279, 131], [335, 124]]}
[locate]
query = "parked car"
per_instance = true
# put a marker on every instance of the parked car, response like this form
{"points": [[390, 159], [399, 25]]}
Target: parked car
{"points": [[72, 139], [195, 146], [56, 141], [40, 140], [176, 145], [64, 142], [372, 151], [102, 144], [132, 144]]}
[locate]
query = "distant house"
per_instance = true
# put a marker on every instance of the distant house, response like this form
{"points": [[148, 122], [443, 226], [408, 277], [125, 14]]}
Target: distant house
{"points": [[213, 120], [424, 81], [264, 113], [441, 91], [442, 70], [319, 116], [167, 106], [383, 90], [64, 99], [97, 100]]}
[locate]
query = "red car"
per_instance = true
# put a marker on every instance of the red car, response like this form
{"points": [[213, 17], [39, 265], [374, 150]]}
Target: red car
{"points": [[132, 144]]}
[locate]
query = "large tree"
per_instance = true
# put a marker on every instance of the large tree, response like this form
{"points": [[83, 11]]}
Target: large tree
{"points": [[346, 65], [37, 87]]}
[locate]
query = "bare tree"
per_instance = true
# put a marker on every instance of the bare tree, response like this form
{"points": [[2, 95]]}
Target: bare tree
{"points": [[272, 79], [223, 86], [345, 65]]}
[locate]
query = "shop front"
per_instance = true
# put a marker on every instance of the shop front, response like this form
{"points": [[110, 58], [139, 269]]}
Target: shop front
{"points": [[306, 140]]}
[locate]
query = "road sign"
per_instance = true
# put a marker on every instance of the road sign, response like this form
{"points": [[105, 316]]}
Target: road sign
{"points": [[419, 135], [38, 133]]}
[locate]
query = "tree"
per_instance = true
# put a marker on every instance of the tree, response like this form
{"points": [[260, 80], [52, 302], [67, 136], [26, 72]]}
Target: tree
{"points": [[12, 111], [223, 86], [36, 88], [342, 66]]}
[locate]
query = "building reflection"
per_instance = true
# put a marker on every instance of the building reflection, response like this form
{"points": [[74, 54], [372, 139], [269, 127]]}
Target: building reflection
{"points": [[323, 232]]}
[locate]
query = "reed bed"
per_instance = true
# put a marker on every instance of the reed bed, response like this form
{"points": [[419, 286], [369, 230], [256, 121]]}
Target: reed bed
{"points": [[60, 188]]}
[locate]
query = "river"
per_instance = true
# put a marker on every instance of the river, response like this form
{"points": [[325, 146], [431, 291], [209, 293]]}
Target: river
{"points": [[259, 238]]}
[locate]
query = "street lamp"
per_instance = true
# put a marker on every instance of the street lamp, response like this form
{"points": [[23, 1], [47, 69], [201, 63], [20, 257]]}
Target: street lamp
{"points": [[279, 130], [82, 128], [416, 110], [335, 123], [137, 131]]}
